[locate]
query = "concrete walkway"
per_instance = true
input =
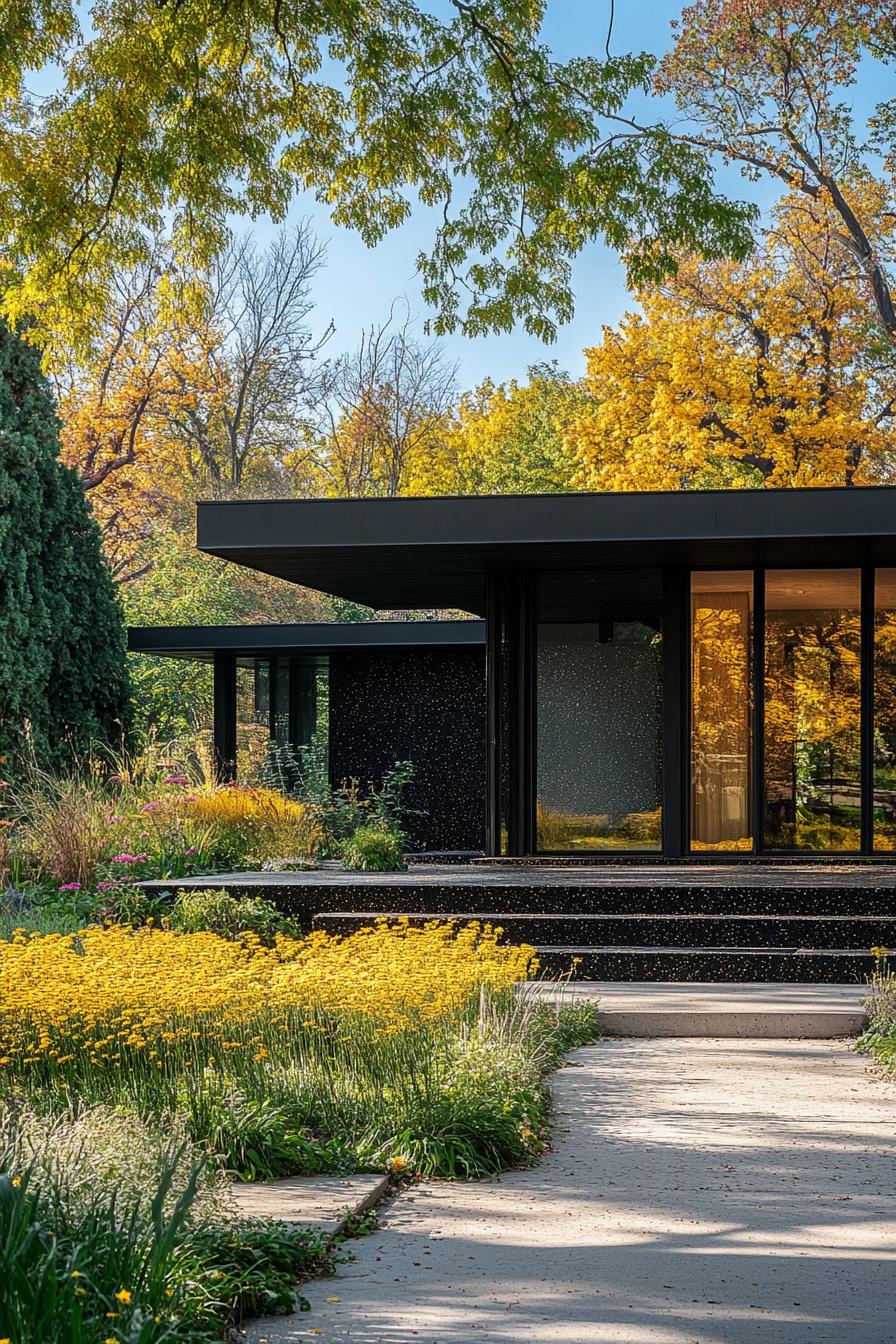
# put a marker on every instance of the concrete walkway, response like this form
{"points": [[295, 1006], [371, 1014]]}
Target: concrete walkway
{"points": [[699, 1192]]}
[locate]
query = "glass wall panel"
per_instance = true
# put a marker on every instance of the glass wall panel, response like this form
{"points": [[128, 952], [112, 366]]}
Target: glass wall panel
{"points": [[812, 734], [884, 808], [599, 708], [721, 709], [252, 723]]}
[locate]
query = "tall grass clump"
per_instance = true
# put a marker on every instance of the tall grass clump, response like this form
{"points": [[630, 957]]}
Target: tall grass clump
{"points": [[879, 1038], [395, 1045], [111, 822], [111, 1229]]}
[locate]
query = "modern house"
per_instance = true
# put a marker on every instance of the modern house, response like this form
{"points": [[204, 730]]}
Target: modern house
{"points": [[693, 693], [371, 693]]}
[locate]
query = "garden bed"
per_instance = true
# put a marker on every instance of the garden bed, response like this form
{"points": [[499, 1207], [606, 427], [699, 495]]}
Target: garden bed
{"points": [[399, 1050]]}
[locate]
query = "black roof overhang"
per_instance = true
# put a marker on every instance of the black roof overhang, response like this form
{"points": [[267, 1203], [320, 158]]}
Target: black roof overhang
{"points": [[393, 553], [201, 642]]}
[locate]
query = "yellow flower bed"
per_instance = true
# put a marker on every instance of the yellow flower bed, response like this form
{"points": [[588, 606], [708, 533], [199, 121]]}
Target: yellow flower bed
{"points": [[114, 991]]}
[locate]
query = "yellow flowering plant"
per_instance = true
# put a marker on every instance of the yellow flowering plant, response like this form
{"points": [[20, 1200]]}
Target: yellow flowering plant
{"points": [[312, 1054]]}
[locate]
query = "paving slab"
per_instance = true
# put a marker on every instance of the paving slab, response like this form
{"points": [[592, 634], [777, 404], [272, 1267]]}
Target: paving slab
{"points": [[310, 1201], [754, 1011], [698, 1192]]}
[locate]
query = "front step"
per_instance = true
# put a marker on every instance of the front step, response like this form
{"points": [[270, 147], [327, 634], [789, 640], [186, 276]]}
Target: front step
{"points": [[786, 965], [618, 947], [861, 932], [717, 1010], [548, 896]]}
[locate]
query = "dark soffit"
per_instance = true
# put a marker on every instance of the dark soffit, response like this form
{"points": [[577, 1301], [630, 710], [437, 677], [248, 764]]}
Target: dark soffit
{"points": [[435, 552], [266, 641]]}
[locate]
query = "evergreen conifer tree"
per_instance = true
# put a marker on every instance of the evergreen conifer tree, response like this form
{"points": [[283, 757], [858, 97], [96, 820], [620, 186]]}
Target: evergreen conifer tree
{"points": [[63, 675]]}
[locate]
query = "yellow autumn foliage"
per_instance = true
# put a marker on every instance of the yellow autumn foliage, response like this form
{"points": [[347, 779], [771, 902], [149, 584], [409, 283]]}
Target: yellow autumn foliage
{"points": [[766, 373]]}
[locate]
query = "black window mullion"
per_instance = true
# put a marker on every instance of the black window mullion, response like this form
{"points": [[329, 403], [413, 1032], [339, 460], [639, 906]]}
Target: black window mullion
{"points": [[758, 781], [866, 691]]}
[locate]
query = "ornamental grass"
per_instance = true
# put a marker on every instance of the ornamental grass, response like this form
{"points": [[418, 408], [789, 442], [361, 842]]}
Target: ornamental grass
{"points": [[397, 1044]]}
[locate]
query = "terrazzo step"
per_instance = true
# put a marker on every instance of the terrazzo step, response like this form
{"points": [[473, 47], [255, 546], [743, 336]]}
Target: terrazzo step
{"points": [[592, 899], [841, 965], [653, 930]]}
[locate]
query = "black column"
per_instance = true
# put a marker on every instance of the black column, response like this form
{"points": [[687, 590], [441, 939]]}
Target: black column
{"points": [[225, 716], [494, 734], [867, 708], [302, 702], [521, 695], [272, 699], [676, 714], [510, 672]]}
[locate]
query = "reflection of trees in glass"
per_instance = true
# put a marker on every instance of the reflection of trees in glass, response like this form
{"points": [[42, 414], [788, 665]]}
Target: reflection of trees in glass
{"points": [[812, 735], [720, 707], [885, 730]]}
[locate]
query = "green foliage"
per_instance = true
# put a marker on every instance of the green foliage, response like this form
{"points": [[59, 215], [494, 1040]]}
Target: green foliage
{"points": [[305, 775], [216, 912], [252, 1266], [512, 438], [63, 683], [460, 1097], [257, 1139], [185, 115], [373, 848], [879, 1037], [100, 1241]]}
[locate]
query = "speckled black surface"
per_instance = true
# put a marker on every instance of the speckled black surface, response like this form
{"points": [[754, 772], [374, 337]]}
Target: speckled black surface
{"points": [[626, 922], [425, 707]]}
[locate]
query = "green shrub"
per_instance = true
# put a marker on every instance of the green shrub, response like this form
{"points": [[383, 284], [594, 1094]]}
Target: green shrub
{"points": [[304, 774], [211, 911], [63, 676], [373, 849]]}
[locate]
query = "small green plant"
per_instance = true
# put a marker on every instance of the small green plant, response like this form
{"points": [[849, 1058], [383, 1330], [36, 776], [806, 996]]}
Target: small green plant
{"points": [[211, 911], [304, 774], [374, 848], [121, 903]]}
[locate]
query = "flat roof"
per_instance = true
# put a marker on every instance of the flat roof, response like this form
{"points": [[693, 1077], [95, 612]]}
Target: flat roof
{"points": [[435, 552], [266, 641]]}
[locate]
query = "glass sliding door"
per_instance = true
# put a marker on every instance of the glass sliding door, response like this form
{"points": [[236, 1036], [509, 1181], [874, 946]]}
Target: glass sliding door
{"points": [[811, 731], [599, 711], [721, 710], [884, 748]]}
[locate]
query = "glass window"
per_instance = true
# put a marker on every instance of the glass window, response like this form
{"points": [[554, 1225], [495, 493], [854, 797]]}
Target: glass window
{"points": [[812, 734], [884, 809], [721, 709], [252, 723], [599, 706]]}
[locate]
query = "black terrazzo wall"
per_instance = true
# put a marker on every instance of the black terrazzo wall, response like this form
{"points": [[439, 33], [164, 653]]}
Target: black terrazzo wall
{"points": [[427, 707]]}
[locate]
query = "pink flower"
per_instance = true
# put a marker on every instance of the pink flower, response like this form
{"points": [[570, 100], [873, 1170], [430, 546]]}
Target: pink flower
{"points": [[129, 858], [70, 886], [151, 807], [115, 779], [106, 886], [189, 852], [176, 779]]}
